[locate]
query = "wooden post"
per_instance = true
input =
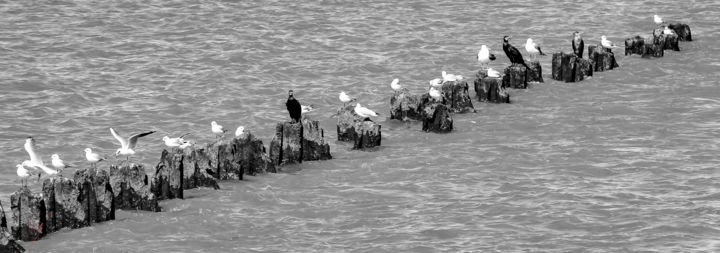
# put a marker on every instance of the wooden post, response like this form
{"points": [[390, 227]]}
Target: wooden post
{"points": [[682, 30], [602, 58], [668, 41], [515, 77], [534, 73]]}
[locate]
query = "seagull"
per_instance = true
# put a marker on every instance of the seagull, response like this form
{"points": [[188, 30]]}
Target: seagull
{"points": [[493, 73], [91, 157], [22, 173], [512, 52], [394, 85], [657, 19], [532, 48], [127, 146], [185, 145], [217, 129], [293, 107], [306, 108], [58, 163], [605, 42], [578, 44], [364, 112], [484, 56], [437, 82], [435, 94], [666, 30], [345, 98], [450, 77], [35, 162], [174, 142], [239, 131]]}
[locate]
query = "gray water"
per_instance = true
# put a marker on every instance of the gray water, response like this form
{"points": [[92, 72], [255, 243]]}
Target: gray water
{"points": [[622, 162]]}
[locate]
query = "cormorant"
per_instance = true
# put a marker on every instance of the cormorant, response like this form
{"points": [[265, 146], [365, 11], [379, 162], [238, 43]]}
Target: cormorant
{"points": [[578, 44], [513, 53], [293, 107]]}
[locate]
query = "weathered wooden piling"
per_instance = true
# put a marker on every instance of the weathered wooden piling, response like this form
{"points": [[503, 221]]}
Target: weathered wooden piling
{"points": [[131, 188], [534, 72], [516, 76], [405, 106], [638, 45], [682, 30], [489, 89], [602, 58], [167, 183], [298, 142], [96, 194], [63, 208], [354, 128], [458, 96], [198, 170], [28, 212], [438, 118], [668, 41], [7, 241], [570, 68]]}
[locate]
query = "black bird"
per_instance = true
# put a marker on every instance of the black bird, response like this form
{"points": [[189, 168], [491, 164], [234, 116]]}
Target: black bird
{"points": [[293, 107], [513, 53], [578, 44]]}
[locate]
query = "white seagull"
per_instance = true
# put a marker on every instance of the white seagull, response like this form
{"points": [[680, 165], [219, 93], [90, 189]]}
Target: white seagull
{"points": [[345, 98], [532, 48], [35, 162], [395, 84], [493, 73], [306, 108], [484, 56], [450, 77], [58, 163], [239, 131], [174, 142], [437, 82], [22, 173], [435, 94], [217, 129], [605, 42], [666, 30], [364, 112], [127, 146], [92, 157], [657, 19]]}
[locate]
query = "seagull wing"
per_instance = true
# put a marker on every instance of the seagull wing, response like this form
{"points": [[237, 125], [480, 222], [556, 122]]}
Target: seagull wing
{"points": [[123, 142], [133, 139], [30, 148]]}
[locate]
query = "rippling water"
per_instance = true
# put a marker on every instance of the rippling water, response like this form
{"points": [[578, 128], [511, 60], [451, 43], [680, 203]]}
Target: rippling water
{"points": [[625, 161]]}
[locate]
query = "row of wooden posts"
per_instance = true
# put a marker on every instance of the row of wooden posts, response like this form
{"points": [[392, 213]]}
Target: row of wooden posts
{"points": [[93, 194]]}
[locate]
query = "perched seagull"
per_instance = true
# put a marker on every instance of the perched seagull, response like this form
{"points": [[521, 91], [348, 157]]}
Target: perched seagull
{"points": [[239, 131], [493, 73], [173, 142], [605, 42], [435, 94], [450, 77], [484, 56], [58, 163], [127, 146], [437, 82], [345, 98], [185, 145], [92, 157], [578, 44], [217, 129], [532, 48], [666, 30], [513, 53], [22, 173], [657, 19], [395, 84], [364, 112]]}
